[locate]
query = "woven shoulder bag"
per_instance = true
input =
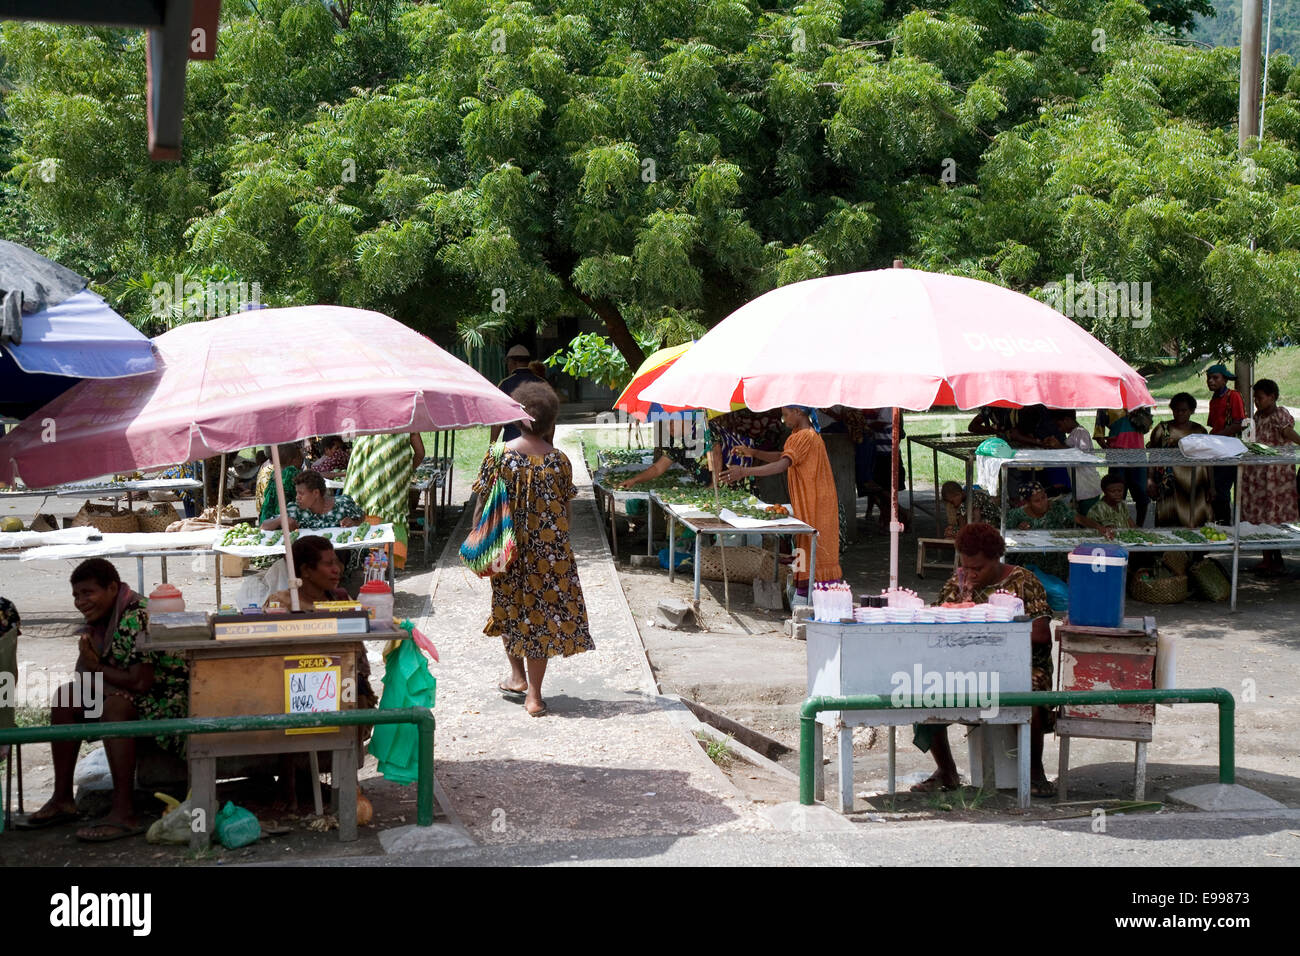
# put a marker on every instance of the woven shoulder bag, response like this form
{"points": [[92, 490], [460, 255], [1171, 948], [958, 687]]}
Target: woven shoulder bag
{"points": [[491, 546]]}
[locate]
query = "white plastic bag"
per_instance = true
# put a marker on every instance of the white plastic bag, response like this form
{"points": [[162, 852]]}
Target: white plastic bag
{"points": [[256, 588], [1211, 446], [92, 771]]}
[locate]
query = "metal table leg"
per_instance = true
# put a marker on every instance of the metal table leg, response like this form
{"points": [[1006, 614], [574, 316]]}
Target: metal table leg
{"points": [[698, 535], [812, 567], [1022, 764], [649, 525], [938, 498], [672, 548], [1236, 539], [846, 768], [164, 568], [893, 760], [139, 575]]}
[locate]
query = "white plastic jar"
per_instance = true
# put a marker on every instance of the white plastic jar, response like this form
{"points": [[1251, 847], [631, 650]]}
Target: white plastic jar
{"points": [[377, 599]]}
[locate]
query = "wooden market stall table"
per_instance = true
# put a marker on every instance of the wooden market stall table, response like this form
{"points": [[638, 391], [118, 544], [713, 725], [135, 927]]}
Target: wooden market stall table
{"points": [[249, 676], [704, 522], [1262, 537], [605, 486], [378, 536], [105, 489], [432, 484], [86, 542], [850, 659]]}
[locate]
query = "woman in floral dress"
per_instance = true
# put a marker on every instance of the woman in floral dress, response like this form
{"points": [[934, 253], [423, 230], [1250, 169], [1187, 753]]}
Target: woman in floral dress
{"points": [[537, 605], [1268, 492]]}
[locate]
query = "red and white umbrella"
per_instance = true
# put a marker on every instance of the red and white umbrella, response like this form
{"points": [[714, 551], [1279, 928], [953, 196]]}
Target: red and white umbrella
{"points": [[901, 338]]}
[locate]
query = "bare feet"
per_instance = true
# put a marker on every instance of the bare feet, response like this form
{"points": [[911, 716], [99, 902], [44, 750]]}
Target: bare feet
{"points": [[937, 781]]}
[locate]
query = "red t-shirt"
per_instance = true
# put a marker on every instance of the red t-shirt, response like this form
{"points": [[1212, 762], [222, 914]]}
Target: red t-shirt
{"points": [[1229, 406]]}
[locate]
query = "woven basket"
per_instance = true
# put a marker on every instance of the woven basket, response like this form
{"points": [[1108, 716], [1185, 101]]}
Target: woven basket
{"points": [[1176, 561], [743, 564], [157, 518], [1153, 590], [1210, 580], [106, 520]]}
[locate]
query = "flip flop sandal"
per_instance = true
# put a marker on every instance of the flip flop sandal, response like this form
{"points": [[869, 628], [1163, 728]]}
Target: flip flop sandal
{"points": [[118, 831], [932, 785], [53, 820], [511, 692], [539, 713], [1043, 788]]}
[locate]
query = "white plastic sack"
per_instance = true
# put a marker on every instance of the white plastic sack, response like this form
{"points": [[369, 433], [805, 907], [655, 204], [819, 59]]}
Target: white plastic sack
{"points": [[256, 588], [92, 771], [1211, 446]]}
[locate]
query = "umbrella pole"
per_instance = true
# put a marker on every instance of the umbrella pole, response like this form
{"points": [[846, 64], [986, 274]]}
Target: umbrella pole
{"points": [[894, 526], [284, 526]]}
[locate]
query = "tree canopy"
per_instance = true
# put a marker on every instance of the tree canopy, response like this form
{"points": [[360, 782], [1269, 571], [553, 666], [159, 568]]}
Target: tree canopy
{"points": [[474, 168]]}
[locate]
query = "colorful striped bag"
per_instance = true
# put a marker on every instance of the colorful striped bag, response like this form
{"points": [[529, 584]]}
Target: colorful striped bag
{"points": [[491, 547]]}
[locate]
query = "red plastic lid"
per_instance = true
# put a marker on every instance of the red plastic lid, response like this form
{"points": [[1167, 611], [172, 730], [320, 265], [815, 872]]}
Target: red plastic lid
{"points": [[165, 590], [375, 587]]}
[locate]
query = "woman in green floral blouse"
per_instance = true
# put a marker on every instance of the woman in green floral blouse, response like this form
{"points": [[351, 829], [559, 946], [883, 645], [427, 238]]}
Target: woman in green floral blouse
{"points": [[118, 682]]}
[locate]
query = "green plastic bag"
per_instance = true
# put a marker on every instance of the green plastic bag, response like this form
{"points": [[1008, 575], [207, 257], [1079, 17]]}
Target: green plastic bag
{"points": [[237, 827]]}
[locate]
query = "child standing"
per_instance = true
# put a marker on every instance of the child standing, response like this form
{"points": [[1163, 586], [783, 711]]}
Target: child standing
{"points": [[1268, 494], [1087, 486], [954, 504], [1227, 413], [1111, 511]]}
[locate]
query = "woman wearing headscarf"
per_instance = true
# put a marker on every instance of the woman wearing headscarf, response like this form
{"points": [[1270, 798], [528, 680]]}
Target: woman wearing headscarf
{"points": [[813, 497]]}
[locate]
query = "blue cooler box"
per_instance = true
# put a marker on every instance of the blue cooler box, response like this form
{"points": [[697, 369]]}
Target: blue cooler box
{"points": [[1097, 578]]}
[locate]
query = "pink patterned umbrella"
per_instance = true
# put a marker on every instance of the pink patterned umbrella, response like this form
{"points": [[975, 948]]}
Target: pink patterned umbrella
{"points": [[261, 377]]}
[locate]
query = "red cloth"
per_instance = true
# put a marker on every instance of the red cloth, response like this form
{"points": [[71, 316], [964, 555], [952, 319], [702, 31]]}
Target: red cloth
{"points": [[1228, 406]]}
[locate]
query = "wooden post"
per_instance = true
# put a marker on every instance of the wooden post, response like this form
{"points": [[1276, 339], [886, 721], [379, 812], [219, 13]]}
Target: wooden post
{"points": [[284, 526]]}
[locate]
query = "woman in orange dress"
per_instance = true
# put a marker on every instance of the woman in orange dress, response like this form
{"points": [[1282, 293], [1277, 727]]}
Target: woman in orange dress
{"points": [[813, 497]]}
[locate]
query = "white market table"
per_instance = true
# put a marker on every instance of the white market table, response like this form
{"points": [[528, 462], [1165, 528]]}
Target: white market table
{"points": [[1283, 538], [703, 522], [862, 659]]}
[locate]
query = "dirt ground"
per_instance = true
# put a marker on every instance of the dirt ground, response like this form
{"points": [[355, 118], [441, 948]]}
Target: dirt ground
{"points": [[742, 666]]}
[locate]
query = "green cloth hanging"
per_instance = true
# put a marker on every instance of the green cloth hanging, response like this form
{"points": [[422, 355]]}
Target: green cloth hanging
{"points": [[407, 683]]}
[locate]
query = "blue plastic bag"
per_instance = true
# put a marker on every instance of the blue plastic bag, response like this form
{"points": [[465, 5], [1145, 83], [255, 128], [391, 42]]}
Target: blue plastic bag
{"points": [[683, 557], [1058, 592]]}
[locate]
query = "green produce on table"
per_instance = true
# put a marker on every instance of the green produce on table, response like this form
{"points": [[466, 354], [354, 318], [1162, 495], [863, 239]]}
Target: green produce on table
{"points": [[1213, 534], [1188, 535]]}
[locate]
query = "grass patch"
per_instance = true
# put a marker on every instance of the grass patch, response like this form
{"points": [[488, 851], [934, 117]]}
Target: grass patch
{"points": [[963, 798], [1281, 365], [31, 717], [716, 750]]}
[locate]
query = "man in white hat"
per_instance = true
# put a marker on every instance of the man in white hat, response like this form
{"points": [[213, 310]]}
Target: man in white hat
{"points": [[517, 360]]}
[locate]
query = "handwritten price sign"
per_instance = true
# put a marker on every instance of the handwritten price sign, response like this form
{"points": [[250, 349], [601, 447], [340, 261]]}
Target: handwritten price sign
{"points": [[311, 686]]}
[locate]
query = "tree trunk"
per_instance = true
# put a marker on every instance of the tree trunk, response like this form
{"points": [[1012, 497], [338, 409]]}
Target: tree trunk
{"points": [[619, 333]]}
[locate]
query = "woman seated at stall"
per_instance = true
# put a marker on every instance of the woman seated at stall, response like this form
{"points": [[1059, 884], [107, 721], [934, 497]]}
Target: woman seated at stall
{"points": [[124, 684], [812, 490], [317, 564], [1041, 513], [314, 507], [333, 460], [695, 466], [982, 572]]}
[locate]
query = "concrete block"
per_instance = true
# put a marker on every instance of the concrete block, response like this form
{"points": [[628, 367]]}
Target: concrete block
{"points": [[416, 839], [802, 612], [768, 594], [797, 818], [796, 630], [674, 613], [1224, 796], [645, 560]]}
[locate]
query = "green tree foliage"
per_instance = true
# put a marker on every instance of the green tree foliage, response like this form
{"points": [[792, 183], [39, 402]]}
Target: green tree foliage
{"points": [[476, 167]]}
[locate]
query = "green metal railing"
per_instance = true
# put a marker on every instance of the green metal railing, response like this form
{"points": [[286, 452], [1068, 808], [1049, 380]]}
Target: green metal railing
{"points": [[811, 707], [420, 716]]}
